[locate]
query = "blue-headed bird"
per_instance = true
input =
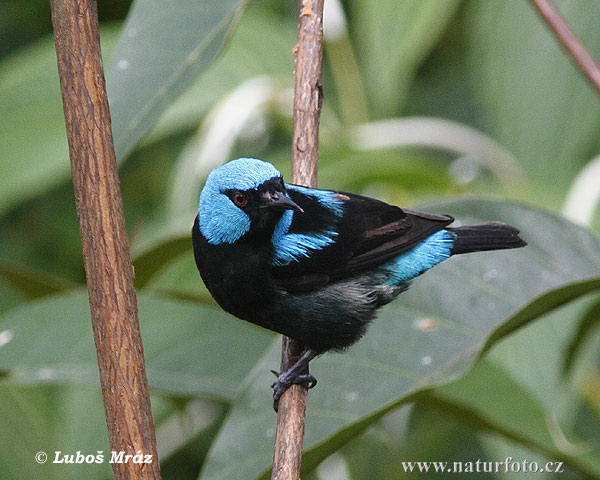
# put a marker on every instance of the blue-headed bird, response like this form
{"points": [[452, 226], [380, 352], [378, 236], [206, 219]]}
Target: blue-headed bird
{"points": [[313, 264]]}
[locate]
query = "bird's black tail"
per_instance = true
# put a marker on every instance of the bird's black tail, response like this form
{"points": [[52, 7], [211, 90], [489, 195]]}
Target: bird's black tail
{"points": [[487, 236]]}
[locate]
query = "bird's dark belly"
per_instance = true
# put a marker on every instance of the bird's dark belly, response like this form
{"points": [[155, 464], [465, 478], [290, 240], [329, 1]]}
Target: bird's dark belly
{"points": [[239, 287], [323, 320], [331, 317]]}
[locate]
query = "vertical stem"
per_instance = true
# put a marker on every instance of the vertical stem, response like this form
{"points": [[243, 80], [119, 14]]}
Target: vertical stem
{"points": [[108, 267], [308, 95]]}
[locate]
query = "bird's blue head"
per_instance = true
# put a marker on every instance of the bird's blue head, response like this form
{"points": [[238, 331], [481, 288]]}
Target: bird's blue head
{"points": [[245, 195]]}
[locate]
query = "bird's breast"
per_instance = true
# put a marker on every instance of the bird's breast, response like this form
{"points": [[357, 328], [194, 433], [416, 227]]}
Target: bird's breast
{"points": [[237, 277]]}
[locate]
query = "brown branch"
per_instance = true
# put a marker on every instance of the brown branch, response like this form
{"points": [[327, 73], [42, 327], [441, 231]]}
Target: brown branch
{"points": [[108, 267], [569, 40], [308, 96]]}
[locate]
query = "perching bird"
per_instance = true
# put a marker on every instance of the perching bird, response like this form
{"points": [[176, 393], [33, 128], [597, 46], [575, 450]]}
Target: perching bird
{"points": [[315, 265]]}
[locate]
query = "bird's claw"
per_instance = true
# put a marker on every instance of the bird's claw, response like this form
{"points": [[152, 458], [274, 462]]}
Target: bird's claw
{"points": [[285, 381]]}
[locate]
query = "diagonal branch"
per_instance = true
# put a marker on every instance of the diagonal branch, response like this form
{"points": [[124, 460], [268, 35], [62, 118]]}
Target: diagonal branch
{"points": [[113, 302], [569, 40], [308, 96]]}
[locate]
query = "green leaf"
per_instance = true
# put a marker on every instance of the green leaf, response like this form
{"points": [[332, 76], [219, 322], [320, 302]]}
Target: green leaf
{"points": [[29, 428], [189, 348], [180, 279], [34, 155], [155, 257], [32, 283], [486, 396], [260, 45], [536, 101], [534, 357], [433, 435], [392, 38], [541, 305], [368, 456], [10, 297], [52, 419], [430, 336], [588, 322], [162, 50]]}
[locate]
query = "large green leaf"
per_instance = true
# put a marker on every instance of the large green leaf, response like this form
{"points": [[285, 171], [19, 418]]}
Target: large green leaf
{"points": [[431, 335], [541, 305], [29, 428], [261, 45], [486, 397], [34, 154], [189, 348], [588, 324], [536, 101], [154, 257], [534, 357], [52, 419], [32, 283], [162, 50]]}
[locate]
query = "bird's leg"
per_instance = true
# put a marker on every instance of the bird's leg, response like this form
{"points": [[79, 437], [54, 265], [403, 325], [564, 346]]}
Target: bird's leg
{"points": [[292, 375]]}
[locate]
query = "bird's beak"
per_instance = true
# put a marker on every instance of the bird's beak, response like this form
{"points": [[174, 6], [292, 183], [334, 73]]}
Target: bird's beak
{"points": [[279, 201]]}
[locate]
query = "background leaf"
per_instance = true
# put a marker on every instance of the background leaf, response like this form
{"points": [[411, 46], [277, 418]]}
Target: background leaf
{"points": [[51, 419], [489, 405], [261, 45], [393, 38], [188, 347], [536, 101], [587, 323], [34, 154], [32, 283], [160, 53]]}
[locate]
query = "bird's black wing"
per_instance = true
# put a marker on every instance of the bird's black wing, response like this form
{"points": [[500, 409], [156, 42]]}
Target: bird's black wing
{"points": [[368, 233]]}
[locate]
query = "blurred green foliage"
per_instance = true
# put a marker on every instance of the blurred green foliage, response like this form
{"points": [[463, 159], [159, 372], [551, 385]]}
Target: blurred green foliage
{"points": [[424, 101]]}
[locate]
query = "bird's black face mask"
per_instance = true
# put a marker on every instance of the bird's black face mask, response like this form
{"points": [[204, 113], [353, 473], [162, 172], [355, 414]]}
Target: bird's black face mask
{"points": [[264, 205]]}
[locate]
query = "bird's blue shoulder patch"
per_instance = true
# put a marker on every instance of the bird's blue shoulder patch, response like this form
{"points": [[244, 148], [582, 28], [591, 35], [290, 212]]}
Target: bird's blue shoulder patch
{"points": [[434, 249], [302, 241], [290, 247], [220, 220], [326, 198]]}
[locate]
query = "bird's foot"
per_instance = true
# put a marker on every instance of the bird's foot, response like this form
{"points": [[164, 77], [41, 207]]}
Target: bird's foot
{"points": [[286, 380], [295, 374]]}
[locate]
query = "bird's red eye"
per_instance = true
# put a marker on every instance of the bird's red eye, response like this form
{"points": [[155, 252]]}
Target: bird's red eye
{"points": [[240, 199]]}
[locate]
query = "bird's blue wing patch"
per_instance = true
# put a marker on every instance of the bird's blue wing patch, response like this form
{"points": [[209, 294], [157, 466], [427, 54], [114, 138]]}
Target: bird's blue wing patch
{"points": [[290, 247], [303, 239], [293, 246], [434, 249]]}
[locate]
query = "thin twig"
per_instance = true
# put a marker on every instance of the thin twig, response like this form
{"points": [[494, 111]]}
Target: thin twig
{"points": [[569, 41], [108, 267], [307, 108]]}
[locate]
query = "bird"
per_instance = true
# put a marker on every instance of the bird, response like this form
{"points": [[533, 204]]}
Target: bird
{"points": [[315, 264]]}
